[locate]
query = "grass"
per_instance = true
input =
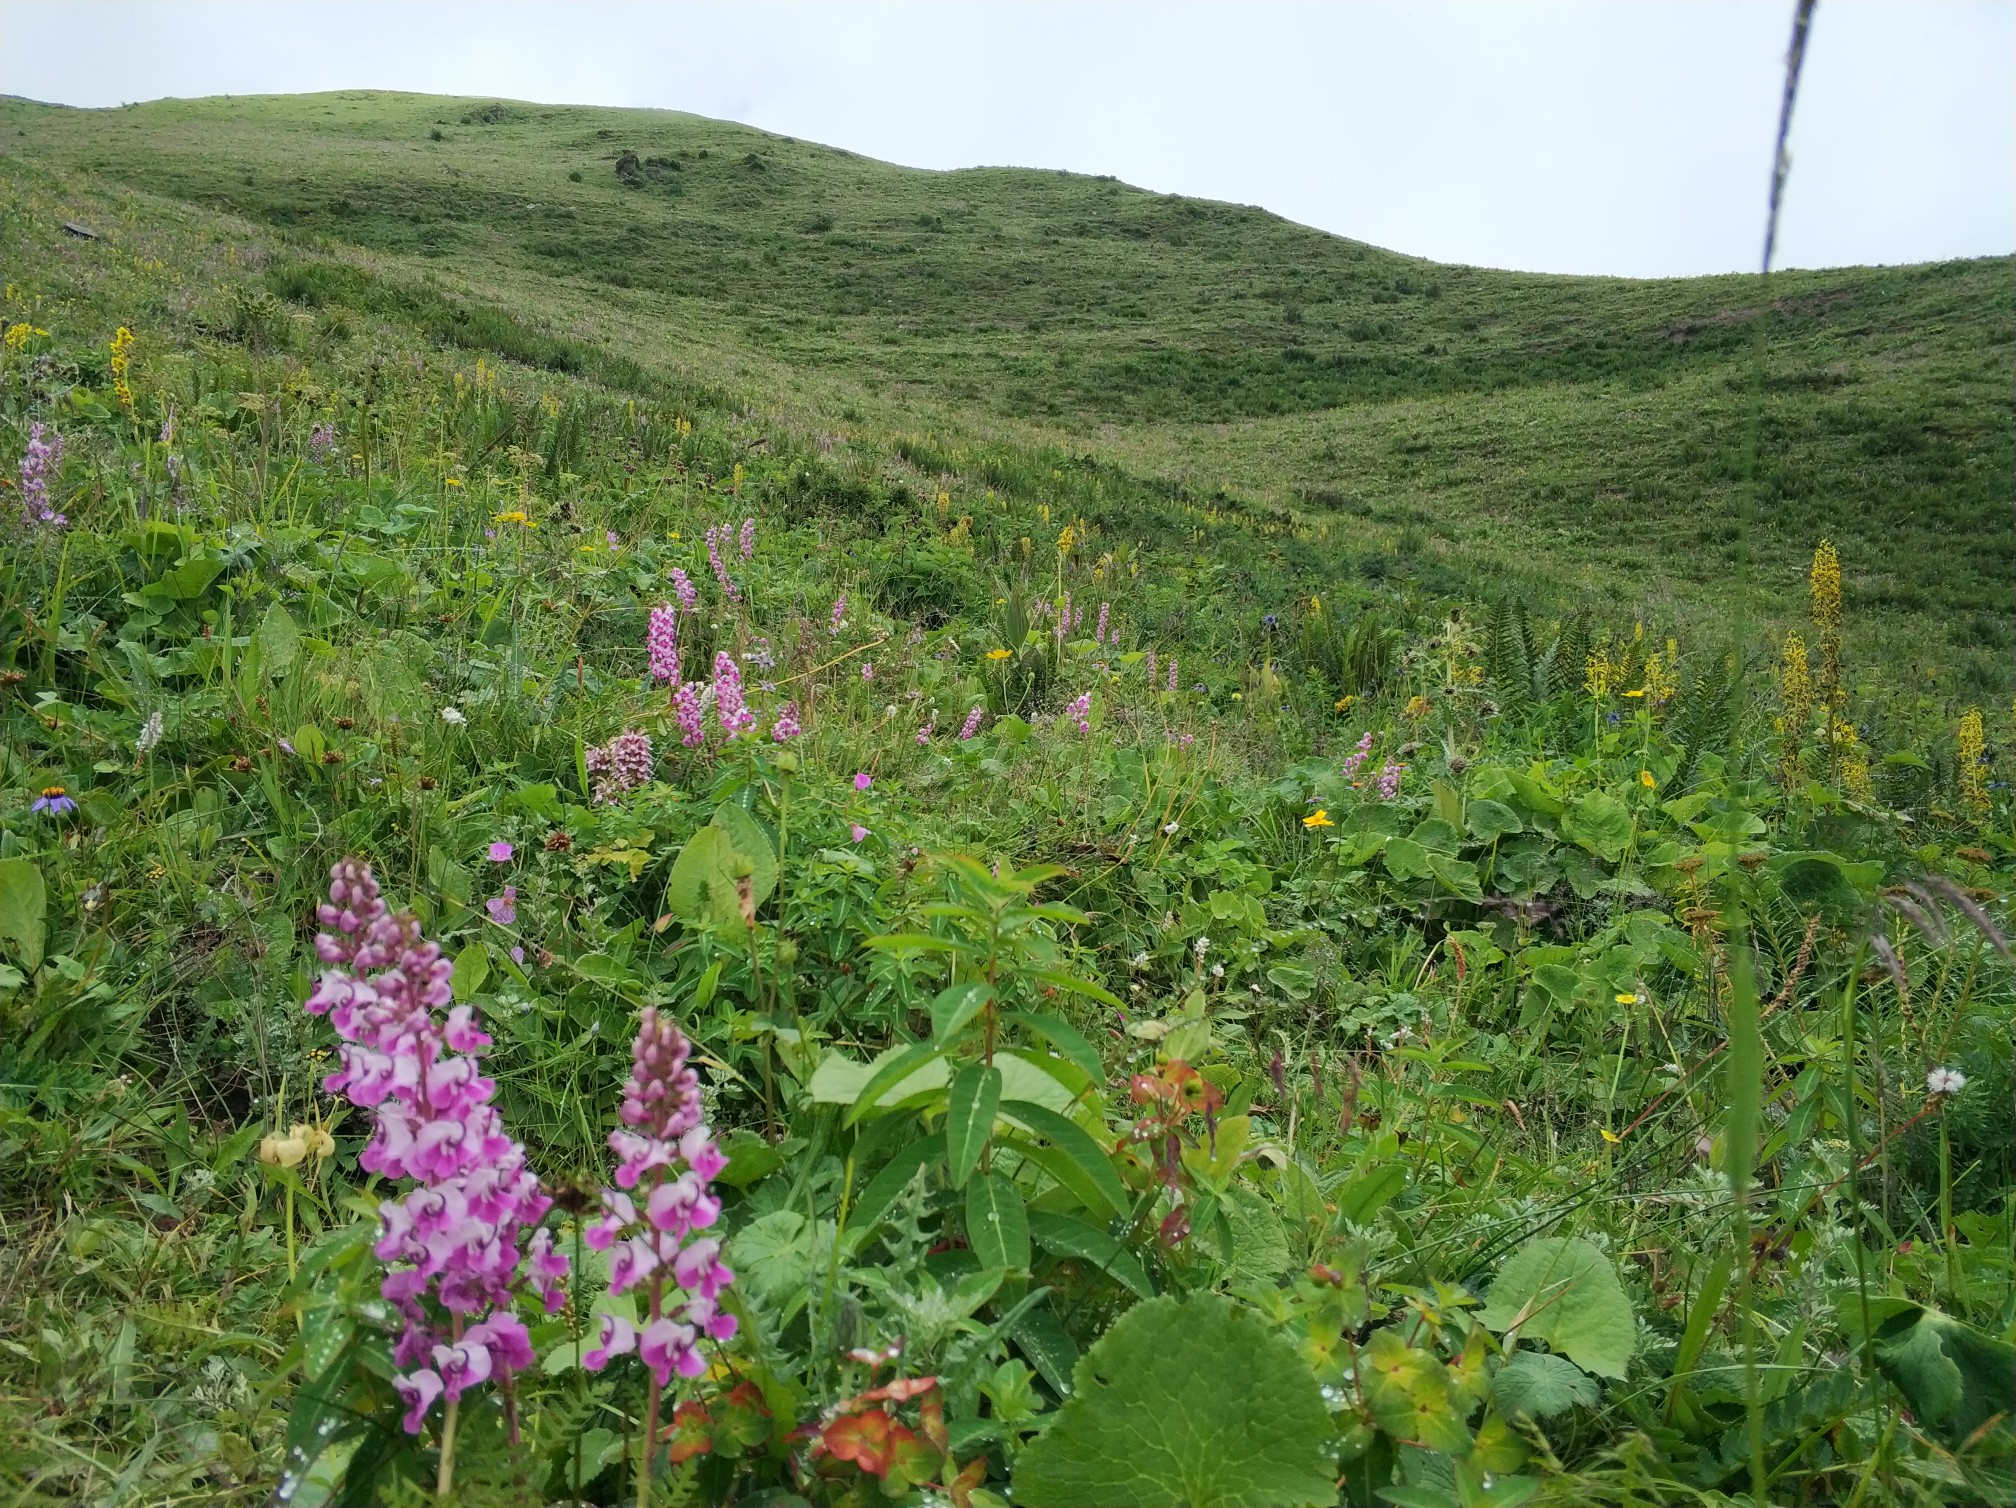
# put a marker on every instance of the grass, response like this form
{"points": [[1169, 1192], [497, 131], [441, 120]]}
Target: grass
{"points": [[1582, 433], [1364, 952]]}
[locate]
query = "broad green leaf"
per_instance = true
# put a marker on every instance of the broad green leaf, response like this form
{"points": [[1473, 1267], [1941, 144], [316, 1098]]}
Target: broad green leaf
{"points": [[1259, 1242], [746, 836], [1542, 1386], [24, 901], [1072, 984], [277, 640], [309, 743], [969, 1118], [1489, 821], [1558, 981], [1458, 875], [1076, 1143], [701, 888], [997, 1223], [1185, 1404], [956, 1005], [1370, 1192], [1063, 1036], [1406, 859], [888, 1071], [1564, 1291], [1954, 1377], [472, 968], [1600, 823], [1067, 1236], [891, 1180], [750, 1158]]}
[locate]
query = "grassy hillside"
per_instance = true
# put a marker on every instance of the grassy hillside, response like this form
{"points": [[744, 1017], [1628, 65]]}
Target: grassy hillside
{"points": [[1360, 1040], [1581, 438]]}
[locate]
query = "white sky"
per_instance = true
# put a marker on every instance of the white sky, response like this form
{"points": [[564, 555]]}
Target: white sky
{"points": [[1618, 136]]}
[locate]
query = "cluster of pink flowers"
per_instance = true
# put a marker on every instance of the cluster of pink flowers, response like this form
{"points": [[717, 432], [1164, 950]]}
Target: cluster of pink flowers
{"points": [[972, 724], [924, 733], [1079, 710], [666, 1154], [689, 705], [1099, 633], [1172, 674], [689, 594], [715, 539], [456, 1237], [1355, 760], [38, 464], [1389, 779], [321, 439], [736, 718], [748, 538], [1148, 668], [662, 640], [786, 727], [839, 614], [621, 765]]}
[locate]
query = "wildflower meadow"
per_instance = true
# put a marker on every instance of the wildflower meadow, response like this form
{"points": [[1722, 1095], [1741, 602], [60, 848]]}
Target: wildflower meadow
{"points": [[575, 932]]}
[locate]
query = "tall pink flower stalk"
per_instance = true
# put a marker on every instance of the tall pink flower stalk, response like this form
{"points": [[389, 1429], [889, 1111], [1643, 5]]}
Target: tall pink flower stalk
{"points": [[688, 593], [662, 639], [736, 718], [665, 1160], [748, 539], [689, 705], [715, 539], [463, 1242]]}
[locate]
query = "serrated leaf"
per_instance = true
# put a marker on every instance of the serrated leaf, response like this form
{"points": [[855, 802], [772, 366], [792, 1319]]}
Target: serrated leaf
{"points": [[747, 838], [1490, 820], [1542, 1386], [997, 1223], [1955, 1377], [1458, 875], [1600, 823], [956, 1005], [969, 1118], [1096, 1170], [1406, 859], [1564, 1291], [1194, 1403], [1066, 1236]]}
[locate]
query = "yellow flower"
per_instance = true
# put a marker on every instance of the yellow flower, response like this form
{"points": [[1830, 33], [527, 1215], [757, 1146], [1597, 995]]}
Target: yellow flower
{"points": [[1418, 707], [1637, 691], [997, 654], [513, 516], [453, 481], [1970, 744], [1627, 999], [1610, 1136], [122, 362], [1318, 818], [1343, 704], [1645, 779]]}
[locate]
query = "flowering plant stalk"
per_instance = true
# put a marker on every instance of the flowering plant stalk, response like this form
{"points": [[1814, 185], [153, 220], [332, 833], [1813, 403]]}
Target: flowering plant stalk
{"points": [[665, 1154], [456, 1241]]}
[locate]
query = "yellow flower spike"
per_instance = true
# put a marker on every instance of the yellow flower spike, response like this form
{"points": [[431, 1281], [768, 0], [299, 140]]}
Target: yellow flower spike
{"points": [[1318, 818], [1645, 779], [1343, 704]]}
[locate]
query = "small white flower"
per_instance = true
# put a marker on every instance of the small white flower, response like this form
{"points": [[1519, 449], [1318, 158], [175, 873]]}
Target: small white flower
{"points": [[1169, 829], [1137, 988], [453, 717], [1944, 1081], [150, 734], [1703, 1146], [1202, 945], [1139, 960], [1217, 971]]}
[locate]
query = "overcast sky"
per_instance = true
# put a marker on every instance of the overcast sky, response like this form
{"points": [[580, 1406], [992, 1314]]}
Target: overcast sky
{"points": [[1618, 136]]}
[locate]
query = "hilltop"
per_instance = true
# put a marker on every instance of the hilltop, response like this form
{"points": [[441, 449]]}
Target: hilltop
{"points": [[1579, 438]]}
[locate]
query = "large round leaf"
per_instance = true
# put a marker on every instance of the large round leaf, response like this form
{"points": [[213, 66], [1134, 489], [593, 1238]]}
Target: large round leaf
{"points": [[1185, 1404], [1563, 1290]]}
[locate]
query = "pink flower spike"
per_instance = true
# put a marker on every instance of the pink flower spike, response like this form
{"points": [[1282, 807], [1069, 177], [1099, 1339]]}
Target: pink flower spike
{"points": [[500, 852]]}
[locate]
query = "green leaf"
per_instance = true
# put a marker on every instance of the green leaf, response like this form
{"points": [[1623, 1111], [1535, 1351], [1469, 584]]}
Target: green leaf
{"points": [[1185, 1404], [1370, 1192], [24, 901], [1542, 1386], [1061, 1035], [1600, 823], [891, 1180], [956, 1005], [472, 967], [1406, 859], [888, 1071], [747, 838], [1259, 1243], [1068, 1236], [1072, 984], [969, 1119], [1489, 821], [1955, 1377], [1075, 1142], [277, 640], [1564, 1291], [1459, 875], [997, 1224], [701, 888]]}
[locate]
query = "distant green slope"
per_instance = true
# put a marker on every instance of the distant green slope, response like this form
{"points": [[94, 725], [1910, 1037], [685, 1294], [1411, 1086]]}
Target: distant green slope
{"points": [[1585, 432]]}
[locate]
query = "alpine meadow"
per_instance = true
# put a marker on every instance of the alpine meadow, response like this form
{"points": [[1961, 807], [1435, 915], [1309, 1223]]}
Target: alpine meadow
{"points": [[686, 819]]}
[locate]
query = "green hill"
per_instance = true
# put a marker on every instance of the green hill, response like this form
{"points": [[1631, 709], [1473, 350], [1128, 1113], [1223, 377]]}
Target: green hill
{"points": [[1578, 436]]}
